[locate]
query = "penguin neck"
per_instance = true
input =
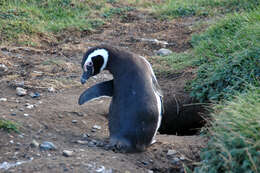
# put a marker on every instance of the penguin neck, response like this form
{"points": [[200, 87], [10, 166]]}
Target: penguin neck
{"points": [[119, 62]]}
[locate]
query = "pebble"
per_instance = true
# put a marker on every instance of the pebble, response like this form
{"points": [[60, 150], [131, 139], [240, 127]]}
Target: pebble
{"points": [[171, 152], [51, 89], [163, 52], [150, 171], [182, 158], [155, 41], [21, 109], [175, 160], [26, 115], [145, 163], [96, 127], [29, 106], [67, 153], [20, 91], [34, 143], [19, 83], [92, 144], [3, 67], [47, 146], [13, 114], [3, 99], [34, 95], [81, 142], [74, 121]]}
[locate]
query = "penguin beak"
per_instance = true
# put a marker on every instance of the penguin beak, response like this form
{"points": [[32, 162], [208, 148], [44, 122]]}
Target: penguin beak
{"points": [[85, 76]]}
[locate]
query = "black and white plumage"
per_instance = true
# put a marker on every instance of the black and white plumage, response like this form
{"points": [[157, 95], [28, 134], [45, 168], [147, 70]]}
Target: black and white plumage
{"points": [[136, 107]]}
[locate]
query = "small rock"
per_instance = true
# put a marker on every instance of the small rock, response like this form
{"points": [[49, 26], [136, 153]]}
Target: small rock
{"points": [[175, 160], [21, 109], [30, 106], [20, 91], [21, 136], [67, 153], [34, 95], [3, 99], [26, 115], [3, 68], [163, 52], [85, 135], [34, 143], [145, 163], [150, 171], [74, 121], [13, 114], [182, 158], [47, 146], [81, 142], [60, 116], [171, 152], [96, 127], [51, 89], [12, 141], [92, 144], [19, 83], [101, 169]]}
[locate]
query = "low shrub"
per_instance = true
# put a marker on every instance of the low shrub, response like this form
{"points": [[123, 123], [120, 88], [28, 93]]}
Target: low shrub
{"points": [[234, 144]]}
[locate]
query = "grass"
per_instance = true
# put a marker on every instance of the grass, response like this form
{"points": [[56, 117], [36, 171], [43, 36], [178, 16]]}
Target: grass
{"points": [[184, 8], [8, 125], [234, 144], [28, 18], [25, 22], [174, 61], [229, 57]]}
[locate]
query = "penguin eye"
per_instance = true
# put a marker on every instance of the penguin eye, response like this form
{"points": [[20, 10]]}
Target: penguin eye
{"points": [[90, 63]]}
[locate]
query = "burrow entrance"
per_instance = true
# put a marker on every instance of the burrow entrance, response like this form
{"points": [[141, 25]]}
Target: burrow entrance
{"points": [[182, 114]]}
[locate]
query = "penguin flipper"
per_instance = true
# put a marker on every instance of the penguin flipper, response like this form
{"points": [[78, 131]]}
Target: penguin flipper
{"points": [[99, 90]]}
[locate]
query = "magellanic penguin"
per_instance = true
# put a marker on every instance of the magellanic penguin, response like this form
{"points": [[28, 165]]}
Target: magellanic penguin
{"points": [[136, 108]]}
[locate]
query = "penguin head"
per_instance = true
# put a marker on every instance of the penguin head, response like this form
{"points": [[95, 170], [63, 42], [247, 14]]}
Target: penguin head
{"points": [[93, 62]]}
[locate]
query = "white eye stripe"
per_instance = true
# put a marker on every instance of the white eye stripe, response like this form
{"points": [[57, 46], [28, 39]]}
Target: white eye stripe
{"points": [[99, 52]]}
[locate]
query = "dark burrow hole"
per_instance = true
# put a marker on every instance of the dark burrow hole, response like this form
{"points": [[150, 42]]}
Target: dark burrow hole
{"points": [[182, 115]]}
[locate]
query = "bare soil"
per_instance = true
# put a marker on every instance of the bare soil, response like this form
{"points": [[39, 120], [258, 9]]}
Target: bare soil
{"points": [[57, 118]]}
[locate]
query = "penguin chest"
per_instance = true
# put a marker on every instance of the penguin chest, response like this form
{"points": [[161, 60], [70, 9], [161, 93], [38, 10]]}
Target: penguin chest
{"points": [[133, 111]]}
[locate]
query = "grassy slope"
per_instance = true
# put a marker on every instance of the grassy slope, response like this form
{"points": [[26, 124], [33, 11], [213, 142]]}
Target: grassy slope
{"points": [[26, 22], [234, 144], [182, 8], [227, 55]]}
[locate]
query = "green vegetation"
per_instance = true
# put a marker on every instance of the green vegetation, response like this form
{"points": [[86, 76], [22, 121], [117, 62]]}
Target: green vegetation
{"points": [[8, 125], [116, 11], [27, 21], [234, 144], [181, 8], [174, 61], [229, 54], [25, 18], [22, 22]]}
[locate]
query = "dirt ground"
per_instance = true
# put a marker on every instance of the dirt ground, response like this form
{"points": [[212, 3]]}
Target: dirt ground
{"points": [[57, 118]]}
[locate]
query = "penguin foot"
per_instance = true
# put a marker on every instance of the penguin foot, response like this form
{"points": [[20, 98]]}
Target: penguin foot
{"points": [[122, 146]]}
